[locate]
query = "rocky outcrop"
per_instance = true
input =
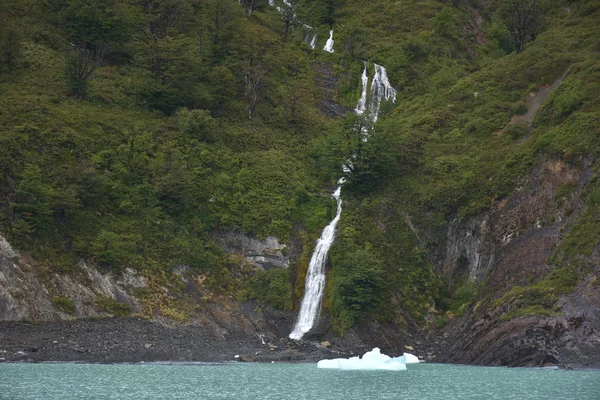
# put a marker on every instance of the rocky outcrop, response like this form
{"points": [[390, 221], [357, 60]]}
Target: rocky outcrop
{"points": [[27, 289], [264, 254], [571, 339]]}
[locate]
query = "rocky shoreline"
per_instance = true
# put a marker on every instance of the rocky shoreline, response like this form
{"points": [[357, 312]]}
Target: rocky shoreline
{"points": [[134, 340], [124, 340]]}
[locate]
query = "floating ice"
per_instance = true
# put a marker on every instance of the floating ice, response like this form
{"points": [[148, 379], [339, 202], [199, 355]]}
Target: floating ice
{"points": [[410, 359], [371, 360]]}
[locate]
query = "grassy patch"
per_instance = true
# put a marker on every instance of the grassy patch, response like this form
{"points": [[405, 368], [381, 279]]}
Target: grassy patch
{"points": [[463, 297], [112, 306], [64, 304], [540, 298]]}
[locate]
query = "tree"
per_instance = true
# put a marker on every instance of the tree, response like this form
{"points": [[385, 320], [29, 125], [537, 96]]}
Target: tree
{"points": [[255, 68], [219, 26], [523, 18], [33, 213], [355, 39], [251, 5], [163, 18], [10, 46], [358, 286], [92, 27]]}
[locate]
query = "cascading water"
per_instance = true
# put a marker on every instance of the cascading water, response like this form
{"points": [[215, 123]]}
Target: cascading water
{"points": [[329, 45], [286, 7], [381, 89], [310, 36], [315, 278]]}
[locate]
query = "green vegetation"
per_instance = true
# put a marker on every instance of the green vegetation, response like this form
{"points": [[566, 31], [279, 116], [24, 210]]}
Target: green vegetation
{"points": [[112, 306], [540, 298], [459, 299], [584, 235], [358, 287], [64, 304], [272, 287], [131, 131]]}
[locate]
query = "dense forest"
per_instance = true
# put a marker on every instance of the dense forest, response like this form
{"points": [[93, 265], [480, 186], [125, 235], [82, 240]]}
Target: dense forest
{"points": [[131, 131]]}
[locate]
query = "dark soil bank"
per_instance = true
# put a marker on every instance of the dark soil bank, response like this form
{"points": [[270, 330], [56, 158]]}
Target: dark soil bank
{"points": [[114, 340]]}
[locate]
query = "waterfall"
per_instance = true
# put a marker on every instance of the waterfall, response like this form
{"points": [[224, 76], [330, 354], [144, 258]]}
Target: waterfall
{"points": [[380, 89], [361, 107], [313, 42], [314, 286], [315, 277], [329, 45], [310, 36]]}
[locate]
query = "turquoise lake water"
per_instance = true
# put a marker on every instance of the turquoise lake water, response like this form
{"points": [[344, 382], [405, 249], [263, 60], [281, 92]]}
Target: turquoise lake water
{"points": [[289, 381]]}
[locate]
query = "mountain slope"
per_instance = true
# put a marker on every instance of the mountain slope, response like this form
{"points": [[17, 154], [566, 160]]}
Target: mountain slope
{"points": [[143, 137]]}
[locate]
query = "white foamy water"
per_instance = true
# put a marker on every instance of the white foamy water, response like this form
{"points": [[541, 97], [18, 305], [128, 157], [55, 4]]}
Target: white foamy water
{"points": [[313, 42]]}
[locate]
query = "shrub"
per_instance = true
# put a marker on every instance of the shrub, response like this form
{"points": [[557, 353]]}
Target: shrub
{"points": [[540, 298]]}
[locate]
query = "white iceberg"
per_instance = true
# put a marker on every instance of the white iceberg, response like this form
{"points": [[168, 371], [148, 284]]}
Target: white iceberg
{"points": [[371, 360], [410, 359]]}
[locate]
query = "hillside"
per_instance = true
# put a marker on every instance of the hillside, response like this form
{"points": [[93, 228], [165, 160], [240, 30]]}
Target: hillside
{"points": [[174, 159]]}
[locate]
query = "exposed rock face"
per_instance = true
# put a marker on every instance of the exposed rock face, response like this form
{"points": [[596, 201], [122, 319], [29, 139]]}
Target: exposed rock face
{"points": [[329, 87], [263, 254], [530, 219], [509, 245]]}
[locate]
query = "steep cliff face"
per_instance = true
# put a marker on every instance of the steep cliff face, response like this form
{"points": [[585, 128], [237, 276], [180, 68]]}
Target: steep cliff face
{"points": [[496, 239], [508, 246]]}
